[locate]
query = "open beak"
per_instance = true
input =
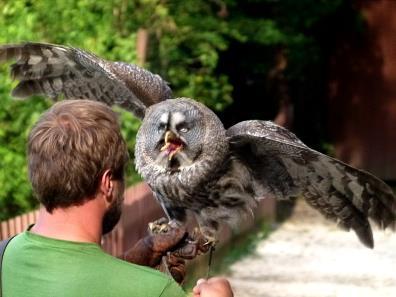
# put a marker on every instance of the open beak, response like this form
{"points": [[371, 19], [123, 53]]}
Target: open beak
{"points": [[173, 144]]}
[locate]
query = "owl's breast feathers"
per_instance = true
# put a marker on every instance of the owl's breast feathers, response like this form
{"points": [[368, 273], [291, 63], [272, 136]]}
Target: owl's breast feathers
{"points": [[215, 193]]}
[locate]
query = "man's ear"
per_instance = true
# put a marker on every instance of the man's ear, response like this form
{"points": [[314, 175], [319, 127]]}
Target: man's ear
{"points": [[106, 185]]}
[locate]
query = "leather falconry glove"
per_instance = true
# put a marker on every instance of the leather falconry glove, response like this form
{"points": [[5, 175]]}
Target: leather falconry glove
{"points": [[149, 250], [173, 244]]}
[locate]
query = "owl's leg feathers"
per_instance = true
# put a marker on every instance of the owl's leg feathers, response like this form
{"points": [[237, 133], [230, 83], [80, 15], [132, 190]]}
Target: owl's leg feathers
{"points": [[209, 229], [209, 240]]}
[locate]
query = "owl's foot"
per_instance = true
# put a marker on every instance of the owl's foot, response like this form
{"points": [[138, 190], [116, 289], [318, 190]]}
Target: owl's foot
{"points": [[211, 241], [195, 244], [158, 226], [162, 225], [191, 246], [200, 241], [207, 240]]}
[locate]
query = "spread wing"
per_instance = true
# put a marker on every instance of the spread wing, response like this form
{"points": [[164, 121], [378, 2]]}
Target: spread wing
{"points": [[53, 70], [282, 166]]}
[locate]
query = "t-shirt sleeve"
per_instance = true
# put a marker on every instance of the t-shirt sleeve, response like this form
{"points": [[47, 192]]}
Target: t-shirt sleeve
{"points": [[172, 289]]}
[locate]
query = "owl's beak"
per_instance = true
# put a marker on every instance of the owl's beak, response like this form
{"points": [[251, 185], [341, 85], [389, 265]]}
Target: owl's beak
{"points": [[173, 144]]}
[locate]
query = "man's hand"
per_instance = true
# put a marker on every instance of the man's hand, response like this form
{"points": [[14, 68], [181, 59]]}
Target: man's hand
{"points": [[213, 287]]}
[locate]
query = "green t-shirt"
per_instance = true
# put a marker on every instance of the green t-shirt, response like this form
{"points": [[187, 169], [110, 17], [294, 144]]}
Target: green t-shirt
{"points": [[38, 266]]}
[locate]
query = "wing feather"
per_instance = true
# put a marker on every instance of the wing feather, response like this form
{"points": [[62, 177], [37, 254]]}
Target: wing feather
{"points": [[54, 70], [284, 167]]}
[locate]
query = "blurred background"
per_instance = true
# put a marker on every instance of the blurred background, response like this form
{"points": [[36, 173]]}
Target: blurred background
{"points": [[323, 68]]}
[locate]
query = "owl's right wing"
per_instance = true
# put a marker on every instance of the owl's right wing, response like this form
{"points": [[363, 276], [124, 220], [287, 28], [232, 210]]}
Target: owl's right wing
{"points": [[282, 166], [53, 70]]}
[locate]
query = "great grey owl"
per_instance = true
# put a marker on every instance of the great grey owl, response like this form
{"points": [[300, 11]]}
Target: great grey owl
{"points": [[191, 162]]}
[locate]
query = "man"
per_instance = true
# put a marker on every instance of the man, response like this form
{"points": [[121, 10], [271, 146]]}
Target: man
{"points": [[77, 158]]}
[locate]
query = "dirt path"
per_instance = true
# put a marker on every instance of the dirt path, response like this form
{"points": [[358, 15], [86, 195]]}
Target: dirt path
{"points": [[309, 257]]}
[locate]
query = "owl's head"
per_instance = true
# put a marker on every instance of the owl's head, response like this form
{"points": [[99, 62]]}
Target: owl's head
{"points": [[176, 133]]}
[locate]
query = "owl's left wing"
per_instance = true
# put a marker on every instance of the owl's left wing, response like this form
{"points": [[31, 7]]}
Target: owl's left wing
{"points": [[54, 70], [282, 166]]}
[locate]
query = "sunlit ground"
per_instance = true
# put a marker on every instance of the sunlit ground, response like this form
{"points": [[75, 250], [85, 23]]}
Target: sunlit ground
{"points": [[310, 257]]}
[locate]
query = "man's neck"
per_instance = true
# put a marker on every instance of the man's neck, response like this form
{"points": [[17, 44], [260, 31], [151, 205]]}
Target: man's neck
{"points": [[77, 223]]}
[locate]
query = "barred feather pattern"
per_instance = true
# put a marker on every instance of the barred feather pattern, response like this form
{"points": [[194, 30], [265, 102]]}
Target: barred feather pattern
{"points": [[214, 189], [53, 70], [283, 167]]}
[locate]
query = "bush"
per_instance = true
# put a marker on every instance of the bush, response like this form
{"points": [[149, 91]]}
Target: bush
{"points": [[187, 40]]}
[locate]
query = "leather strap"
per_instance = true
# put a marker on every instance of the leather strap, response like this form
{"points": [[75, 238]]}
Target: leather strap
{"points": [[3, 245]]}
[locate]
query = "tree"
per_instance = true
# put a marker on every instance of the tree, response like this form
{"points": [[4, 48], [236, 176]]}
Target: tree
{"points": [[193, 44], [183, 54]]}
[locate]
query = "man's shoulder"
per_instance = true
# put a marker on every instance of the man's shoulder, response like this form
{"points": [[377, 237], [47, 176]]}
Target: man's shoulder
{"points": [[86, 266]]}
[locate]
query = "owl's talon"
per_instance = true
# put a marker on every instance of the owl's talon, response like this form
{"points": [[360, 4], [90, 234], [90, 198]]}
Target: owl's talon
{"points": [[209, 236], [204, 239], [162, 225], [159, 226], [210, 242], [163, 229]]}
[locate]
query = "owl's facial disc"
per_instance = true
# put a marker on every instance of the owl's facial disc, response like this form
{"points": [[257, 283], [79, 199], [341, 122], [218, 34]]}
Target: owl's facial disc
{"points": [[173, 144], [176, 141]]}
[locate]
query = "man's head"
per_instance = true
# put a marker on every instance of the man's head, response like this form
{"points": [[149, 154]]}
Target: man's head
{"points": [[73, 149]]}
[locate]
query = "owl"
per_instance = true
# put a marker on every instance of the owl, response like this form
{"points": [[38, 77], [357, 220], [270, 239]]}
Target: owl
{"points": [[194, 165]]}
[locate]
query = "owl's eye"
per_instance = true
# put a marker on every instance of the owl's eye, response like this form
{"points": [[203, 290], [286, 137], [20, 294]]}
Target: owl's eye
{"points": [[161, 127], [183, 127]]}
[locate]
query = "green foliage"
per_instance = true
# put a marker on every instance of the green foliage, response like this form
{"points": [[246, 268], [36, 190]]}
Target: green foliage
{"points": [[16, 118], [183, 48], [187, 41]]}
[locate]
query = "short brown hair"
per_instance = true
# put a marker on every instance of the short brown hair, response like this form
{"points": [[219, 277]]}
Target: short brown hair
{"points": [[69, 149]]}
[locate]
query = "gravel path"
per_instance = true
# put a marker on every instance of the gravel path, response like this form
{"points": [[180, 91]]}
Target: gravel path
{"points": [[309, 257]]}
